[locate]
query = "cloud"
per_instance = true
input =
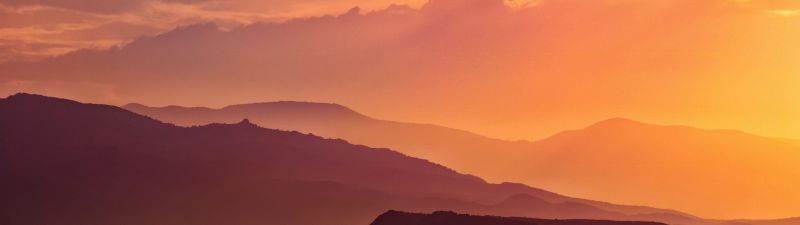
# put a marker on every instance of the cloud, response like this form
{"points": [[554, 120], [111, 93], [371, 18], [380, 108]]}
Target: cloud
{"points": [[27, 33], [94, 6], [785, 8], [65, 30], [785, 12], [18, 18], [517, 71], [484, 65], [267, 7]]}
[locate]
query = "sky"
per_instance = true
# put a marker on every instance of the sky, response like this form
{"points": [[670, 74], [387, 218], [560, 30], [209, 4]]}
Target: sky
{"points": [[33, 29], [506, 69]]}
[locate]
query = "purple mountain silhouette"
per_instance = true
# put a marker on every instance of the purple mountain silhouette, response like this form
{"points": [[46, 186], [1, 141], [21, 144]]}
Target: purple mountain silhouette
{"points": [[605, 160], [64, 162]]}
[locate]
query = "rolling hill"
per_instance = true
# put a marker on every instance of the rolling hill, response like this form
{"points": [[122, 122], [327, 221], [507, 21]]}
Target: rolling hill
{"points": [[436, 143], [687, 168], [616, 160], [64, 162]]}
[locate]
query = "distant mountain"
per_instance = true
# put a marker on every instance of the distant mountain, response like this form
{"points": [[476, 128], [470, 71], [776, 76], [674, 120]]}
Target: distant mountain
{"points": [[64, 162], [455, 148], [617, 160], [689, 169], [450, 218]]}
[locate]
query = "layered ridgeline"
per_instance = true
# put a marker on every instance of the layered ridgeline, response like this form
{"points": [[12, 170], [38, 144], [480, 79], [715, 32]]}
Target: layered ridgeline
{"points": [[457, 149], [449, 218], [617, 160], [722, 172], [64, 162]]}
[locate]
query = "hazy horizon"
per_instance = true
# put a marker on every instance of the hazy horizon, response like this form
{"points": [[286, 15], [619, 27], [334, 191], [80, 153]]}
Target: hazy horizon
{"points": [[553, 132], [564, 80], [533, 70]]}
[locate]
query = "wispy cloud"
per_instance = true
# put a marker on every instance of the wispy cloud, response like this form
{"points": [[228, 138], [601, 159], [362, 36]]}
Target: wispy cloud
{"points": [[785, 12], [785, 8], [47, 22]]}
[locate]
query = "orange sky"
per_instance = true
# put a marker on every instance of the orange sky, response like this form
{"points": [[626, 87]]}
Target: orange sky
{"points": [[521, 72], [524, 73], [31, 29]]}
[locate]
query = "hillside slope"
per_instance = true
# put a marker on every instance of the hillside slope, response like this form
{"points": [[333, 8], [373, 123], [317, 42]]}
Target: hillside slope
{"points": [[617, 160], [64, 162], [682, 167], [435, 143]]}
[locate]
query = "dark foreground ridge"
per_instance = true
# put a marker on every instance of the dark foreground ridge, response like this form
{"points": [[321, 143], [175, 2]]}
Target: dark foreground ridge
{"points": [[393, 217]]}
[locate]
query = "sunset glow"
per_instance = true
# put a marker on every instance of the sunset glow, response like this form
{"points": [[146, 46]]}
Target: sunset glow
{"points": [[504, 69]]}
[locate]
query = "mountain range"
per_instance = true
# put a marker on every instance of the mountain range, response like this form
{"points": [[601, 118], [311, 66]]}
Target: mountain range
{"points": [[680, 167], [65, 162], [454, 148], [617, 160]]}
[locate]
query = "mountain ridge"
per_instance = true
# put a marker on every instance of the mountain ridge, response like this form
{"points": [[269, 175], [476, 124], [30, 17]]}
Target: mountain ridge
{"points": [[421, 140], [137, 107], [646, 155], [618, 137], [113, 164]]}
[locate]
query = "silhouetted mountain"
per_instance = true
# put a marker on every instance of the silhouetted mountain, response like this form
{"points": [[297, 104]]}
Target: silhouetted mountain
{"points": [[450, 218], [64, 162], [455, 148], [688, 168], [606, 160]]}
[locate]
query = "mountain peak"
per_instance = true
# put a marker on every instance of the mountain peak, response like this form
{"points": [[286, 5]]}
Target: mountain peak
{"points": [[23, 95], [616, 122], [330, 109], [28, 98], [245, 122]]}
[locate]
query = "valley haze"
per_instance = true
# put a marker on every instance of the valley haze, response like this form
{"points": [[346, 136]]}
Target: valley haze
{"points": [[412, 112], [604, 161]]}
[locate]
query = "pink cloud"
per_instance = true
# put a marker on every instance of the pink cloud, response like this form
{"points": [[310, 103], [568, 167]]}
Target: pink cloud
{"points": [[474, 60], [95, 6]]}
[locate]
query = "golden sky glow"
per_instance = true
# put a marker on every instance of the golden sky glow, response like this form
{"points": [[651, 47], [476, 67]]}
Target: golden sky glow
{"points": [[513, 70], [685, 61], [31, 29]]}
